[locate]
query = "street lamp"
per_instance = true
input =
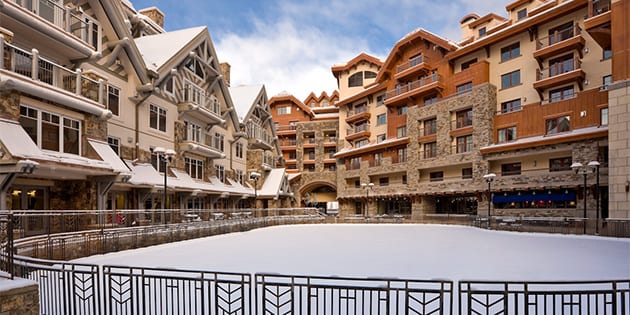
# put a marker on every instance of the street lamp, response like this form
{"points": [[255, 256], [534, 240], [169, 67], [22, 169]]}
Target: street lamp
{"points": [[579, 168], [595, 166], [489, 179], [166, 156], [255, 176], [367, 187]]}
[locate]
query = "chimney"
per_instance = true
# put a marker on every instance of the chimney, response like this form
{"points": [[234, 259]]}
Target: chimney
{"points": [[154, 14], [225, 71]]}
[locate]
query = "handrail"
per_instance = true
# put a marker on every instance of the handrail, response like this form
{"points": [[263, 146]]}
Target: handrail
{"points": [[402, 89]]}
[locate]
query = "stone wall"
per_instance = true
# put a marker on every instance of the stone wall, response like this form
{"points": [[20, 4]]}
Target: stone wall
{"points": [[619, 149], [23, 298]]}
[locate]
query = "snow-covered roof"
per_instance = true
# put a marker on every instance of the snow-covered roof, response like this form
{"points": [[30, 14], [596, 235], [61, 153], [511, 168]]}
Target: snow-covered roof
{"points": [[326, 116], [107, 154], [143, 174], [240, 188], [384, 142], [572, 133], [273, 183], [244, 97], [20, 146], [158, 49]]}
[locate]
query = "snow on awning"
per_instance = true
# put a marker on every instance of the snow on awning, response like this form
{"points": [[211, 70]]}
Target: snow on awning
{"points": [[108, 155], [143, 174], [240, 188], [274, 183], [20, 146]]}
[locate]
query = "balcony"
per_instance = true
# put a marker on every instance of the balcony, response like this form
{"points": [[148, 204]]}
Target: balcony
{"points": [[564, 40], [427, 85], [558, 74], [203, 145], [309, 142], [330, 142], [69, 20], [598, 22], [415, 66], [195, 103], [288, 144], [359, 115], [286, 130], [358, 132], [259, 138], [33, 71]]}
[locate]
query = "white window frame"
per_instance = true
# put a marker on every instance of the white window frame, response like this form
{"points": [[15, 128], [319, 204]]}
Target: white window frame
{"points": [[75, 124], [159, 111], [194, 167], [114, 143]]}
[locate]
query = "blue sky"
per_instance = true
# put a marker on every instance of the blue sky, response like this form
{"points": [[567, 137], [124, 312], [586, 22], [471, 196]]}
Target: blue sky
{"points": [[291, 45]]}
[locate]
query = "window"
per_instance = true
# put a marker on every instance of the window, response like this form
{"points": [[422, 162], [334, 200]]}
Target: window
{"points": [[380, 138], [218, 141], [561, 65], [511, 106], [560, 164], [355, 80], [561, 94], [402, 110], [283, 110], [607, 80], [331, 153], [607, 53], [193, 132], [467, 173], [430, 127], [311, 154], [292, 155], [355, 163], [402, 155], [219, 171], [239, 176], [331, 167], [310, 168], [436, 176], [511, 79], [466, 65], [114, 143], [239, 150], [511, 169], [431, 99], [482, 32], [506, 134], [559, 124], [560, 33], [158, 164], [464, 118], [357, 184], [464, 144], [360, 143], [521, 14], [603, 114], [401, 131], [463, 88], [383, 181], [404, 179], [381, 119], [380, 100], [312, 104], [169, 85], [51, 131], [113, 99], [430, 150], [194, 168], [157, 118], [510, 52], [370, 74]]}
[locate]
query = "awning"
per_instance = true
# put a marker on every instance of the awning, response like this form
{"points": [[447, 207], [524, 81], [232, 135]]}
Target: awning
{"points": [[108, 155]]}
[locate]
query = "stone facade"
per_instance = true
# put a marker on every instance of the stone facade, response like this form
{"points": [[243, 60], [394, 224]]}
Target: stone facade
{"points": [[23, 300], [619, 149]]}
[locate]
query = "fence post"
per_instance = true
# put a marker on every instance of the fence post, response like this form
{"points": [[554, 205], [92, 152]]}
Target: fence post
{"points": [[10, 249]]}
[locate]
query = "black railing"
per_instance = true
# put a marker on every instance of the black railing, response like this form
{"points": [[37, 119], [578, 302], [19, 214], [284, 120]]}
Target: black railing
{"points": [[583, 297], [278, 294], [6, 243], [130, 290]]}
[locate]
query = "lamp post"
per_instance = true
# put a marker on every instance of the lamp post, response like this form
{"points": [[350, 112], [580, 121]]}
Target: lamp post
{"points": [[579, 168], [367, 187], [489, 179], [255, 176], [166, 156], [595, 166]]}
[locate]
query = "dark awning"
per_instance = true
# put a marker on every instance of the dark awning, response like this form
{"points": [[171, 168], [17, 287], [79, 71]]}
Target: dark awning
{"points": [[530, 196]]}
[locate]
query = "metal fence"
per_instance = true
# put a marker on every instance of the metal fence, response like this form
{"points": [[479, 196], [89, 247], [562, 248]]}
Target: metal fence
{"points": [[585, 297]]}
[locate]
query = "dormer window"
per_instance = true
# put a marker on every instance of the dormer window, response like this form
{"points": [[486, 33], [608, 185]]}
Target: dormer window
{"points": [[482, 32], [521, 14]]}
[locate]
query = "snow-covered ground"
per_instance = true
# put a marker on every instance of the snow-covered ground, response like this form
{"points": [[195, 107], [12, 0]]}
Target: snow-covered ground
{"points": [[403, 251]]}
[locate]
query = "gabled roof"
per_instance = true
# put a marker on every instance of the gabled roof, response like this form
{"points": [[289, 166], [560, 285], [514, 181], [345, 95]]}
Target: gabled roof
{"points": [[362, 57], [275, 181], [286, 97], [485, 19], [245, 98], [157, 50], [419, 33]]}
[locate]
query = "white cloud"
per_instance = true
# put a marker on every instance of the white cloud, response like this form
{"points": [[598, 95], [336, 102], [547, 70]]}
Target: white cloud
{"points": [[285, 55]]}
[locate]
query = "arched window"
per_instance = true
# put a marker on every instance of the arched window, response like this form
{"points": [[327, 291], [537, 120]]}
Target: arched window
{"points": [[355, 80], [370, 75]]}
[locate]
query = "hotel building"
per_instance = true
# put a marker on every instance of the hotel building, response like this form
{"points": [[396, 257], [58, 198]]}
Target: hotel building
{"points": [[521, 97]]}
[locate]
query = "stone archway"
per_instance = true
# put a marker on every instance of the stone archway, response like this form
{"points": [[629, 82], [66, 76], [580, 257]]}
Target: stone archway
{"points": [[318, 194]]}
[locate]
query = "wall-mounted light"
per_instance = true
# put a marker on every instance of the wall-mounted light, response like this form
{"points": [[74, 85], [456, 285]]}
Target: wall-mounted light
{"points": [[586, 50]]}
